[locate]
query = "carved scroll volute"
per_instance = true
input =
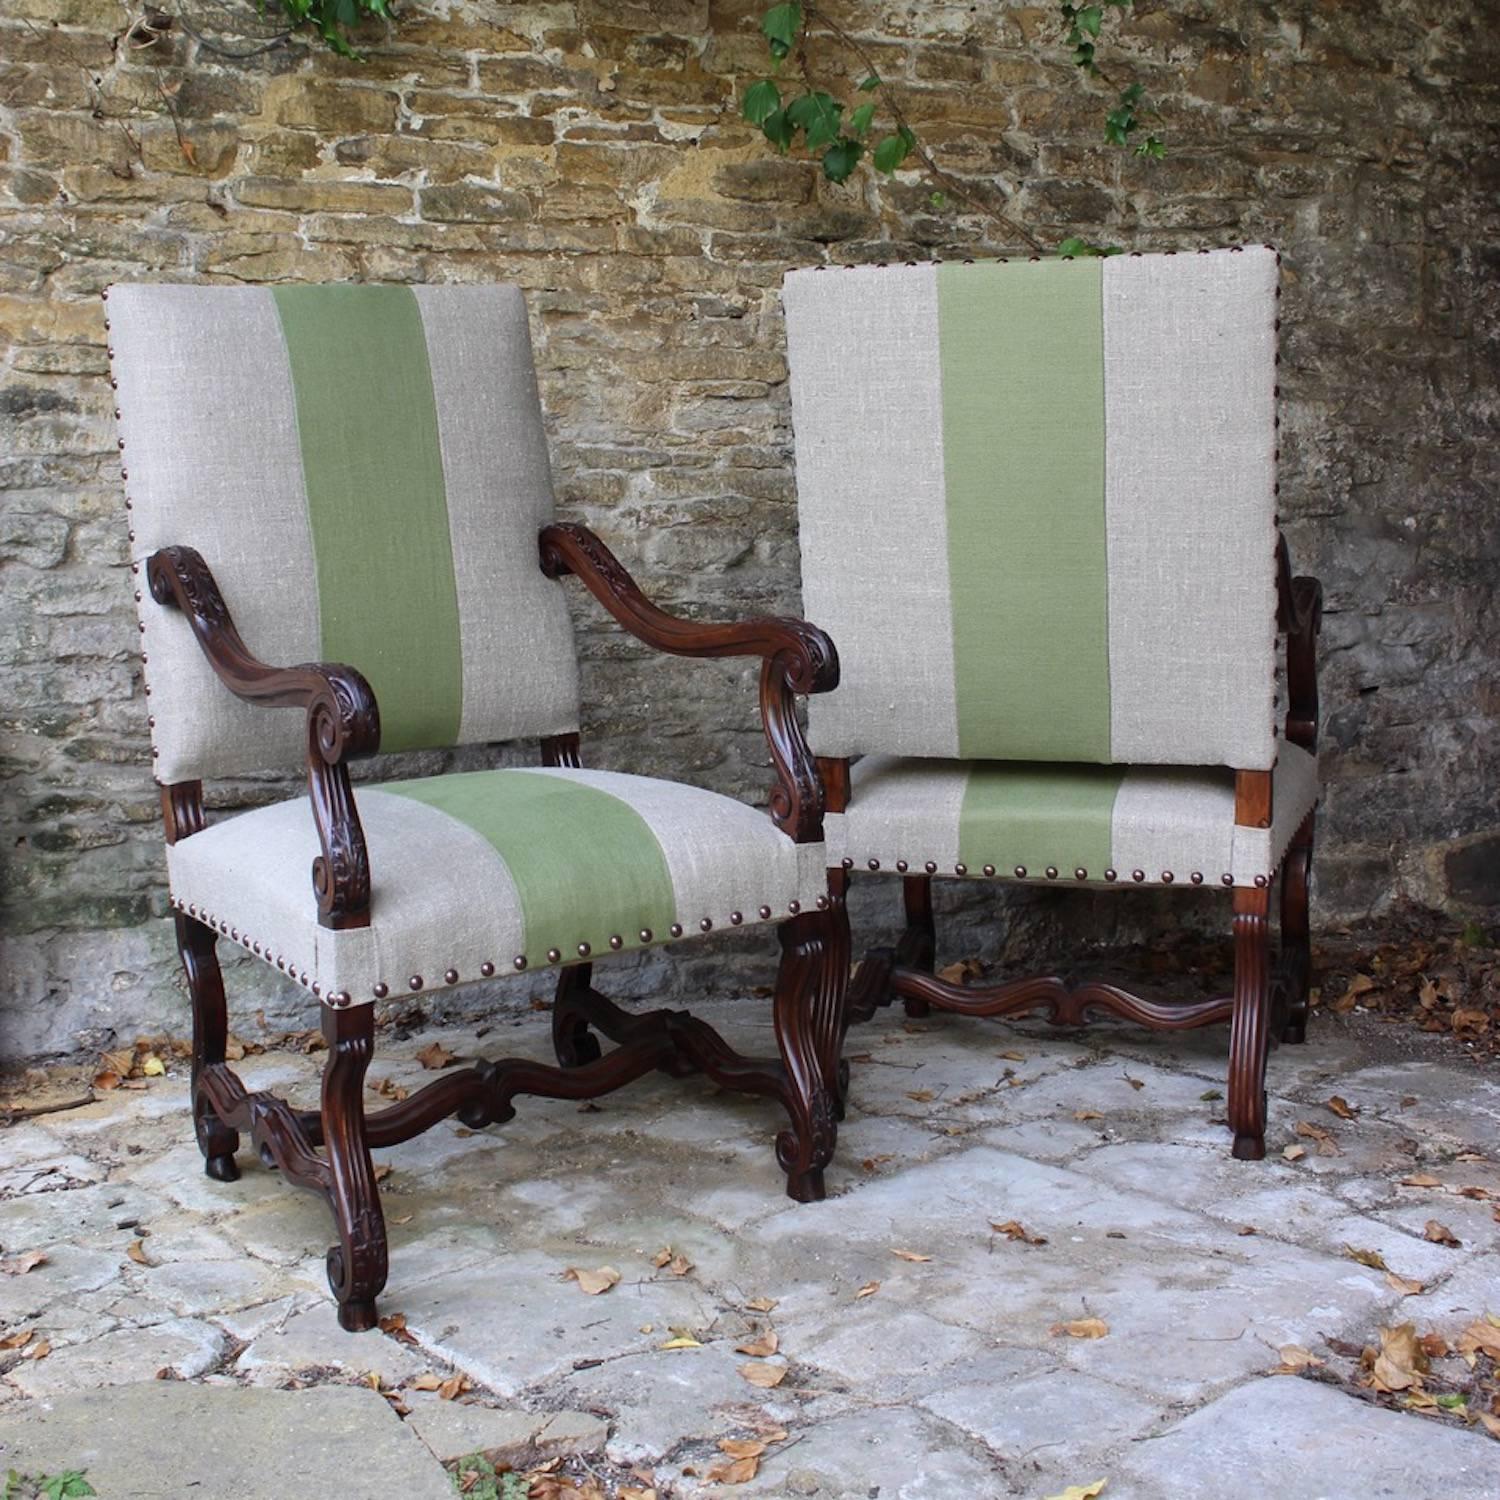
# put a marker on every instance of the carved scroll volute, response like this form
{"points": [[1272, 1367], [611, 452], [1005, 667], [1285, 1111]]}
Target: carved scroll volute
{"points": [[1299, 616], [342, 722]]}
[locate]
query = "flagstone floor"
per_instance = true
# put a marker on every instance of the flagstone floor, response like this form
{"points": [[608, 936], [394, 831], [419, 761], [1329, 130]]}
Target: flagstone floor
{"points": [[1001, 1193]]}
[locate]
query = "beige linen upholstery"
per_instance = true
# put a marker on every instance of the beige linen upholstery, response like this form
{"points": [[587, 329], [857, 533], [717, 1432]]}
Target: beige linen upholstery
{"points": [[446, 901]]}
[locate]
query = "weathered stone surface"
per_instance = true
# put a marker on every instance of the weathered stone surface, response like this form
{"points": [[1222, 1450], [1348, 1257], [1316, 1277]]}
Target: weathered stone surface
{"points": [[167, 1437], [595, 155]]}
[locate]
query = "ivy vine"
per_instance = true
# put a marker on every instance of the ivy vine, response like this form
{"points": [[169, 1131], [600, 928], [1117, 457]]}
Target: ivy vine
{"points": [[841, 133], [331, 19]]}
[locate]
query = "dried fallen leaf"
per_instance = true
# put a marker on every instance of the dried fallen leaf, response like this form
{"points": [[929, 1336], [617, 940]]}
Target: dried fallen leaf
{"points": [[1371, 1258], [1401, 1362], [136, 1250], [454, 1387], [867, 1290], [1440, 1234], [39, 1350], [153, 1067], [1012, 1056], [741, 1471], [767, 1377], [1481, 1337], [1420, 1179], [395, 1326], [19, 1265], [759, 1348], [1081, 1328], [1490, 1424], [961, 972], [1403, 1284], [1294, 1358], [18, 1338], [1087, 1114], [681, 1341], [912, 1255], [435, 1056], [761, 1304], [1434, 1346], [1014, 1229], [743, 1447], [1341, 1107], [593, 1283], [633, 1492], [1479, 1193], [1326, 1145], [427, 1381], [922, 1096], [871, 1163], [1081, 1491], [1294, 1153]]}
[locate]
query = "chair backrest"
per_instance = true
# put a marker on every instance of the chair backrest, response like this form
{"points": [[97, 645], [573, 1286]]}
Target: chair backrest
{"points": [[1037, 507], [365, 471]]}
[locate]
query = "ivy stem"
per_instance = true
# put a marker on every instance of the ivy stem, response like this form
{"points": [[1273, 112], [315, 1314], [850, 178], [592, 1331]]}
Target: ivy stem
{"points": [[815, 14]]}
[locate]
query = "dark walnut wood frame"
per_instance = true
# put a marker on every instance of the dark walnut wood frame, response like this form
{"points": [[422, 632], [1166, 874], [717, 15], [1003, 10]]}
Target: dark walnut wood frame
{"points": [[1270, 997], [328, 1149]]}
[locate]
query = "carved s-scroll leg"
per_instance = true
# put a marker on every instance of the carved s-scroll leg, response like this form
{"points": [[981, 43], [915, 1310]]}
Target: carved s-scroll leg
{"points": [[918, 946], [357, 1264], [1250, 1024], [808, 1012], [572, 1041], [195, 945], [1296, 932]]}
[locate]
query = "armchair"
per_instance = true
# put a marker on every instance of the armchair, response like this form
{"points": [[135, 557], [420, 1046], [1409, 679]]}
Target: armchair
{"points": [[361, 473], [1040, 521]]}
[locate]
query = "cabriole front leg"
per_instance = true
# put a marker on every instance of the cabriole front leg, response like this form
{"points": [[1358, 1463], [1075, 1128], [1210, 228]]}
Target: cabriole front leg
{"points": [[205, 980], [357, 1264], [808, 1015], [1250, 1024]]}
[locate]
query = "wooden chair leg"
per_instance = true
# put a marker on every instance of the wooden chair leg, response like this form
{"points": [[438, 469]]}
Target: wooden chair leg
{"points": [[808, 1014], [1250, 1024], [196, 946], [1296, 932], [357, 1264], [918, 946], [572, 1041]]}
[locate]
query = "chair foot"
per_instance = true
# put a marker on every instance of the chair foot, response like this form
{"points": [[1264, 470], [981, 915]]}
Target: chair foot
{"points": [[358, 1316], [1249, 1147], [222, 1168], [806, 1187], [1250, 1025]]}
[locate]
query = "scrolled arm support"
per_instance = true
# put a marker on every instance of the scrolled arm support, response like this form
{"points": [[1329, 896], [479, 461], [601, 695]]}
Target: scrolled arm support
{"points": [[1299, 616], [796, 658], [343, 723]]}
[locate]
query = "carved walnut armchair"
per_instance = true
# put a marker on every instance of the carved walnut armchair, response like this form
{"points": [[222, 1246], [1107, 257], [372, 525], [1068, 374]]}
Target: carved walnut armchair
{"points": [[1039, 519], [360, 475]]}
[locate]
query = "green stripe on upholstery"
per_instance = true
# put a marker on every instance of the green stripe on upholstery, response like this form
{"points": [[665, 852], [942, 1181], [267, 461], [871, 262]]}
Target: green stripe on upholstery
{"points": [[586, 865], [376, 504], [1038, 815], [1022, 357]]}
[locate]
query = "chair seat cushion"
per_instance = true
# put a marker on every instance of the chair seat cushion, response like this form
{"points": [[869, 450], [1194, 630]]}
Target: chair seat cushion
{"points": [[485, 872], [1170, 823]]}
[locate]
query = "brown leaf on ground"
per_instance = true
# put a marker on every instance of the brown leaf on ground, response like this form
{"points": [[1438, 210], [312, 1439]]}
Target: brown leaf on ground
{"points": [[911, 1255], [743, 1447], [1295, 1358], [1481, 1195], [1326, 1144], [1087, 1114], [922, 1096], [1440, 1234], [28, 1260], [1482, 1336], [1342, 1108], [1372, 1258], [1294, 1153], [1434, 1345], [761, 1304], [1081, 1491], [870, 1163], [634, 1492], [1420, 1179], [136, 1250], [1014, 1229], [435, 1056], [1403, 1284], [680, 1341], [39, 1350], [961, 972], [395, 1326], [1401, 1362], [867, 1290], [18, 1338], [741, 1471], [766, 1377], [383, 1169], [454, 1387], [1012, 1056], [1361, 984], [593, 1283], [759, 1348], [1081, 1328], [387, 1088]]}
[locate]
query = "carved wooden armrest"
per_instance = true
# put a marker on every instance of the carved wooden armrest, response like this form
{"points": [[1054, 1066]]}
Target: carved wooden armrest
{"points": [[797, 658], [343, 722], [1299, 616]]}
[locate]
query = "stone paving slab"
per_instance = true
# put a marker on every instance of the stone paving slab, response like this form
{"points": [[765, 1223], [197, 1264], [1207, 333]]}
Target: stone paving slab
{"points": [[166, 1440], [912, 1377]]}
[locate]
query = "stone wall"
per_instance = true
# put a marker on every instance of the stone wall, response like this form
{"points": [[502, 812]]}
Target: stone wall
{"points": [[593, 152]]}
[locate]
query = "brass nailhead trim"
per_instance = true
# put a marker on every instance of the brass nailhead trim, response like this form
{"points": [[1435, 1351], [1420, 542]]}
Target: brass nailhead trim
{"points": [[1196, 877], [518, 963], [960, 869], [989, 869], [1260, 882], [706, 925], [450, 976], [616, 941], [794, 907], [1080, 873], [553, 954], [381, 992], [1137, 876], [1167, 877], [1111, 876], [765, 913], [847, 863], [822, 903], [1051, 872], [675, 929], [317, 988], [1020, 872], [645, 934], [735, 918], [931, 867], [874, 864], [486, 970], [902, 867], [584, 950], [415, 982], [1226, 879]]}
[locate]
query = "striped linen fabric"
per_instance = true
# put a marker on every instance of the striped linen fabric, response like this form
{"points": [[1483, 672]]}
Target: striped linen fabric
{"points": [[364, 469], [537, 862], [1036, 503], [998, 818]]}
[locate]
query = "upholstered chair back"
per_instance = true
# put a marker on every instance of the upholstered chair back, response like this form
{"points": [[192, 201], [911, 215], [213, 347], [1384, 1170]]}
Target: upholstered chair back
{"points": [[364, 470], [1037, 506]]}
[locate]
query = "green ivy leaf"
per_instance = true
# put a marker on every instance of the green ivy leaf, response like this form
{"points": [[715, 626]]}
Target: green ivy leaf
{"points": [[861, 120], [894, 150], [1090, 18], [1133, 94], [1080, 248], [761, 100], [819, 115], [779, 130], [841, 158], [1152, 147], [870, 84], [780, 27]]}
